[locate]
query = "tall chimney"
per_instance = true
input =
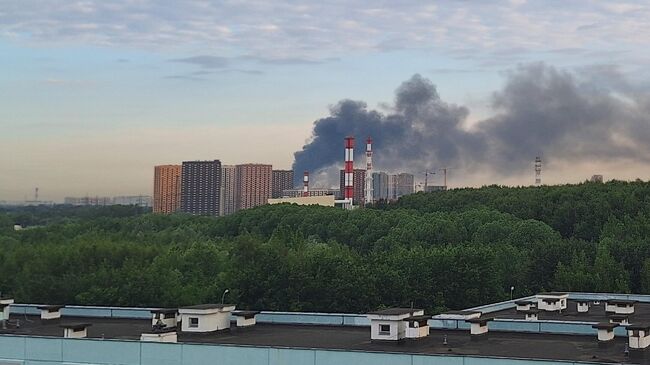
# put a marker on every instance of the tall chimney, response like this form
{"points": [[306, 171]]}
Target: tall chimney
{"points": [[305, 184], [349, 169], [368, 179]]}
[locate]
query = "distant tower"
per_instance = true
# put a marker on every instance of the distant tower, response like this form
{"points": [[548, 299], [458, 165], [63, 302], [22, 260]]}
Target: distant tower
{"points": [[349, 169], [36, 194], [538, 171], [369, 171], [305, 184]]}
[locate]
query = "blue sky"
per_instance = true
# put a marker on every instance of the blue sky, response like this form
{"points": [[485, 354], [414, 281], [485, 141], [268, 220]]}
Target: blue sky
{"points": [[94, 93]]}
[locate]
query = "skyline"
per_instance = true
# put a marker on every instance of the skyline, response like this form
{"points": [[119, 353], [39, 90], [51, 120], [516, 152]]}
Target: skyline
{"points": [[95, 92]]}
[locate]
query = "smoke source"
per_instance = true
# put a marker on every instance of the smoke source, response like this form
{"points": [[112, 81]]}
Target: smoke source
{"points": [[593, 114]]}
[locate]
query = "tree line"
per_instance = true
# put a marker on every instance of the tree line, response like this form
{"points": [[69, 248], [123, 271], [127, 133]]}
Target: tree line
{"points": [[439, 251]]}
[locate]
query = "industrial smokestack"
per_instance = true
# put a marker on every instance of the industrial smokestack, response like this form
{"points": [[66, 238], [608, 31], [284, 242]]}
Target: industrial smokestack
{"points": [[305, 184], [349, 169], [369, 197]]}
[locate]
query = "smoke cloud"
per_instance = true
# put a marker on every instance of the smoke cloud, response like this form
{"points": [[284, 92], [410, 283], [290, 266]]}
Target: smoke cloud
{"points": [[586, 115]]}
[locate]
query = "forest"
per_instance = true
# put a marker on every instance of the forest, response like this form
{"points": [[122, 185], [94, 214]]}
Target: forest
{"points": [[443, 250]]}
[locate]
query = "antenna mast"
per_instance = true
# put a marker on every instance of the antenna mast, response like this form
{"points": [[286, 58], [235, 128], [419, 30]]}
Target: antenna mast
{"points": [[538, 171]]}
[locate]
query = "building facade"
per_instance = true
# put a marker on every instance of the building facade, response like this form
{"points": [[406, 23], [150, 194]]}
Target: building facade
{"points": [[281, 180], [392, 187], [405, 184], [379, 186], [166, 188], [254, 185], [229, 189], [201, 187], [359, 186]]}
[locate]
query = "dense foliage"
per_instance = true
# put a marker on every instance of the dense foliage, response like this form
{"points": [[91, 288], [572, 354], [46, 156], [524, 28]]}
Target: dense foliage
{"points": [[440, 250]]}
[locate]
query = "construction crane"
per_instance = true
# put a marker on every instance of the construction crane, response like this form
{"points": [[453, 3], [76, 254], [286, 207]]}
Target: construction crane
{"points": [[444, 171], [426, 178]]}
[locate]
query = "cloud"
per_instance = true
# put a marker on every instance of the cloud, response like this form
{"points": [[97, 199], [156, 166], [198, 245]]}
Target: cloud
{"points": [[317, 30], [68, 83], [205, 61]]}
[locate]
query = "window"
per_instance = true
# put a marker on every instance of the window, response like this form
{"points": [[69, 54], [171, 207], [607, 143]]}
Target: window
{"points": [[384, 329], [194, 322]]}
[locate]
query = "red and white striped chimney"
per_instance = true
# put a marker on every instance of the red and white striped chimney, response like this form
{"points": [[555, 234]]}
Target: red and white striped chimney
{"points": [[349, 169], [369, 194], [305, 184]]}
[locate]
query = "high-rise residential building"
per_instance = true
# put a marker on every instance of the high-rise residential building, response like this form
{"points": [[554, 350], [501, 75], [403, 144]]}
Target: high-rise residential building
{"points": [[405, 184], [358, 196], [254, 181], [391, 187], [201, 187], [379, 186], [282, 180], [229, 189], [166, 188]]}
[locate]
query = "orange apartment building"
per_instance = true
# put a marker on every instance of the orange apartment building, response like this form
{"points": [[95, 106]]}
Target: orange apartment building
{"points": [[167, 189]]}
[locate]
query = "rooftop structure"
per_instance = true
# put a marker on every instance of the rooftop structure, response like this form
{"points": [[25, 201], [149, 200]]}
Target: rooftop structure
{"points": [[490, 334], [324, 200]]}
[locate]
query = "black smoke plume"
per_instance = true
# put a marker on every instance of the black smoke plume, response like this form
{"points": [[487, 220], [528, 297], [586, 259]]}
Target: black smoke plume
{"points": [[590, 114]]}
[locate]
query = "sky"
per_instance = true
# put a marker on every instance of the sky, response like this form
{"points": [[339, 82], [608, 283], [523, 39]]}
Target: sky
{"points": [[93, 94]]}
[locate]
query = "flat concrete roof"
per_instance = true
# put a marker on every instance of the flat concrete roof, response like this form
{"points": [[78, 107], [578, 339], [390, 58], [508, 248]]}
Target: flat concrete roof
{"points": [[459, 342], [596, 313]]}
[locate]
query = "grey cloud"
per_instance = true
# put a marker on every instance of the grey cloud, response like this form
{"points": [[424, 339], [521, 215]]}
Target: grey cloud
{"points": [[565, 116], [316, 30], [205, 61]]}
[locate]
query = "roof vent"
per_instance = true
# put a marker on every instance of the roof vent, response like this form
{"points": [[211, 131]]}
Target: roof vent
{"points": [[75, 330], [552, 302], [164, 318], [167, 335], [638, 336], [50, 312], [582, 306], [245, 318], [5, 304], [605, 331], [478, 326], [620, 306]]}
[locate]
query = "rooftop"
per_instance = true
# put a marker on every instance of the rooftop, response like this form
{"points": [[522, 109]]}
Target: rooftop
{"points": [[459, 342], [208, 306], [395, 311], [596, 313]]}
